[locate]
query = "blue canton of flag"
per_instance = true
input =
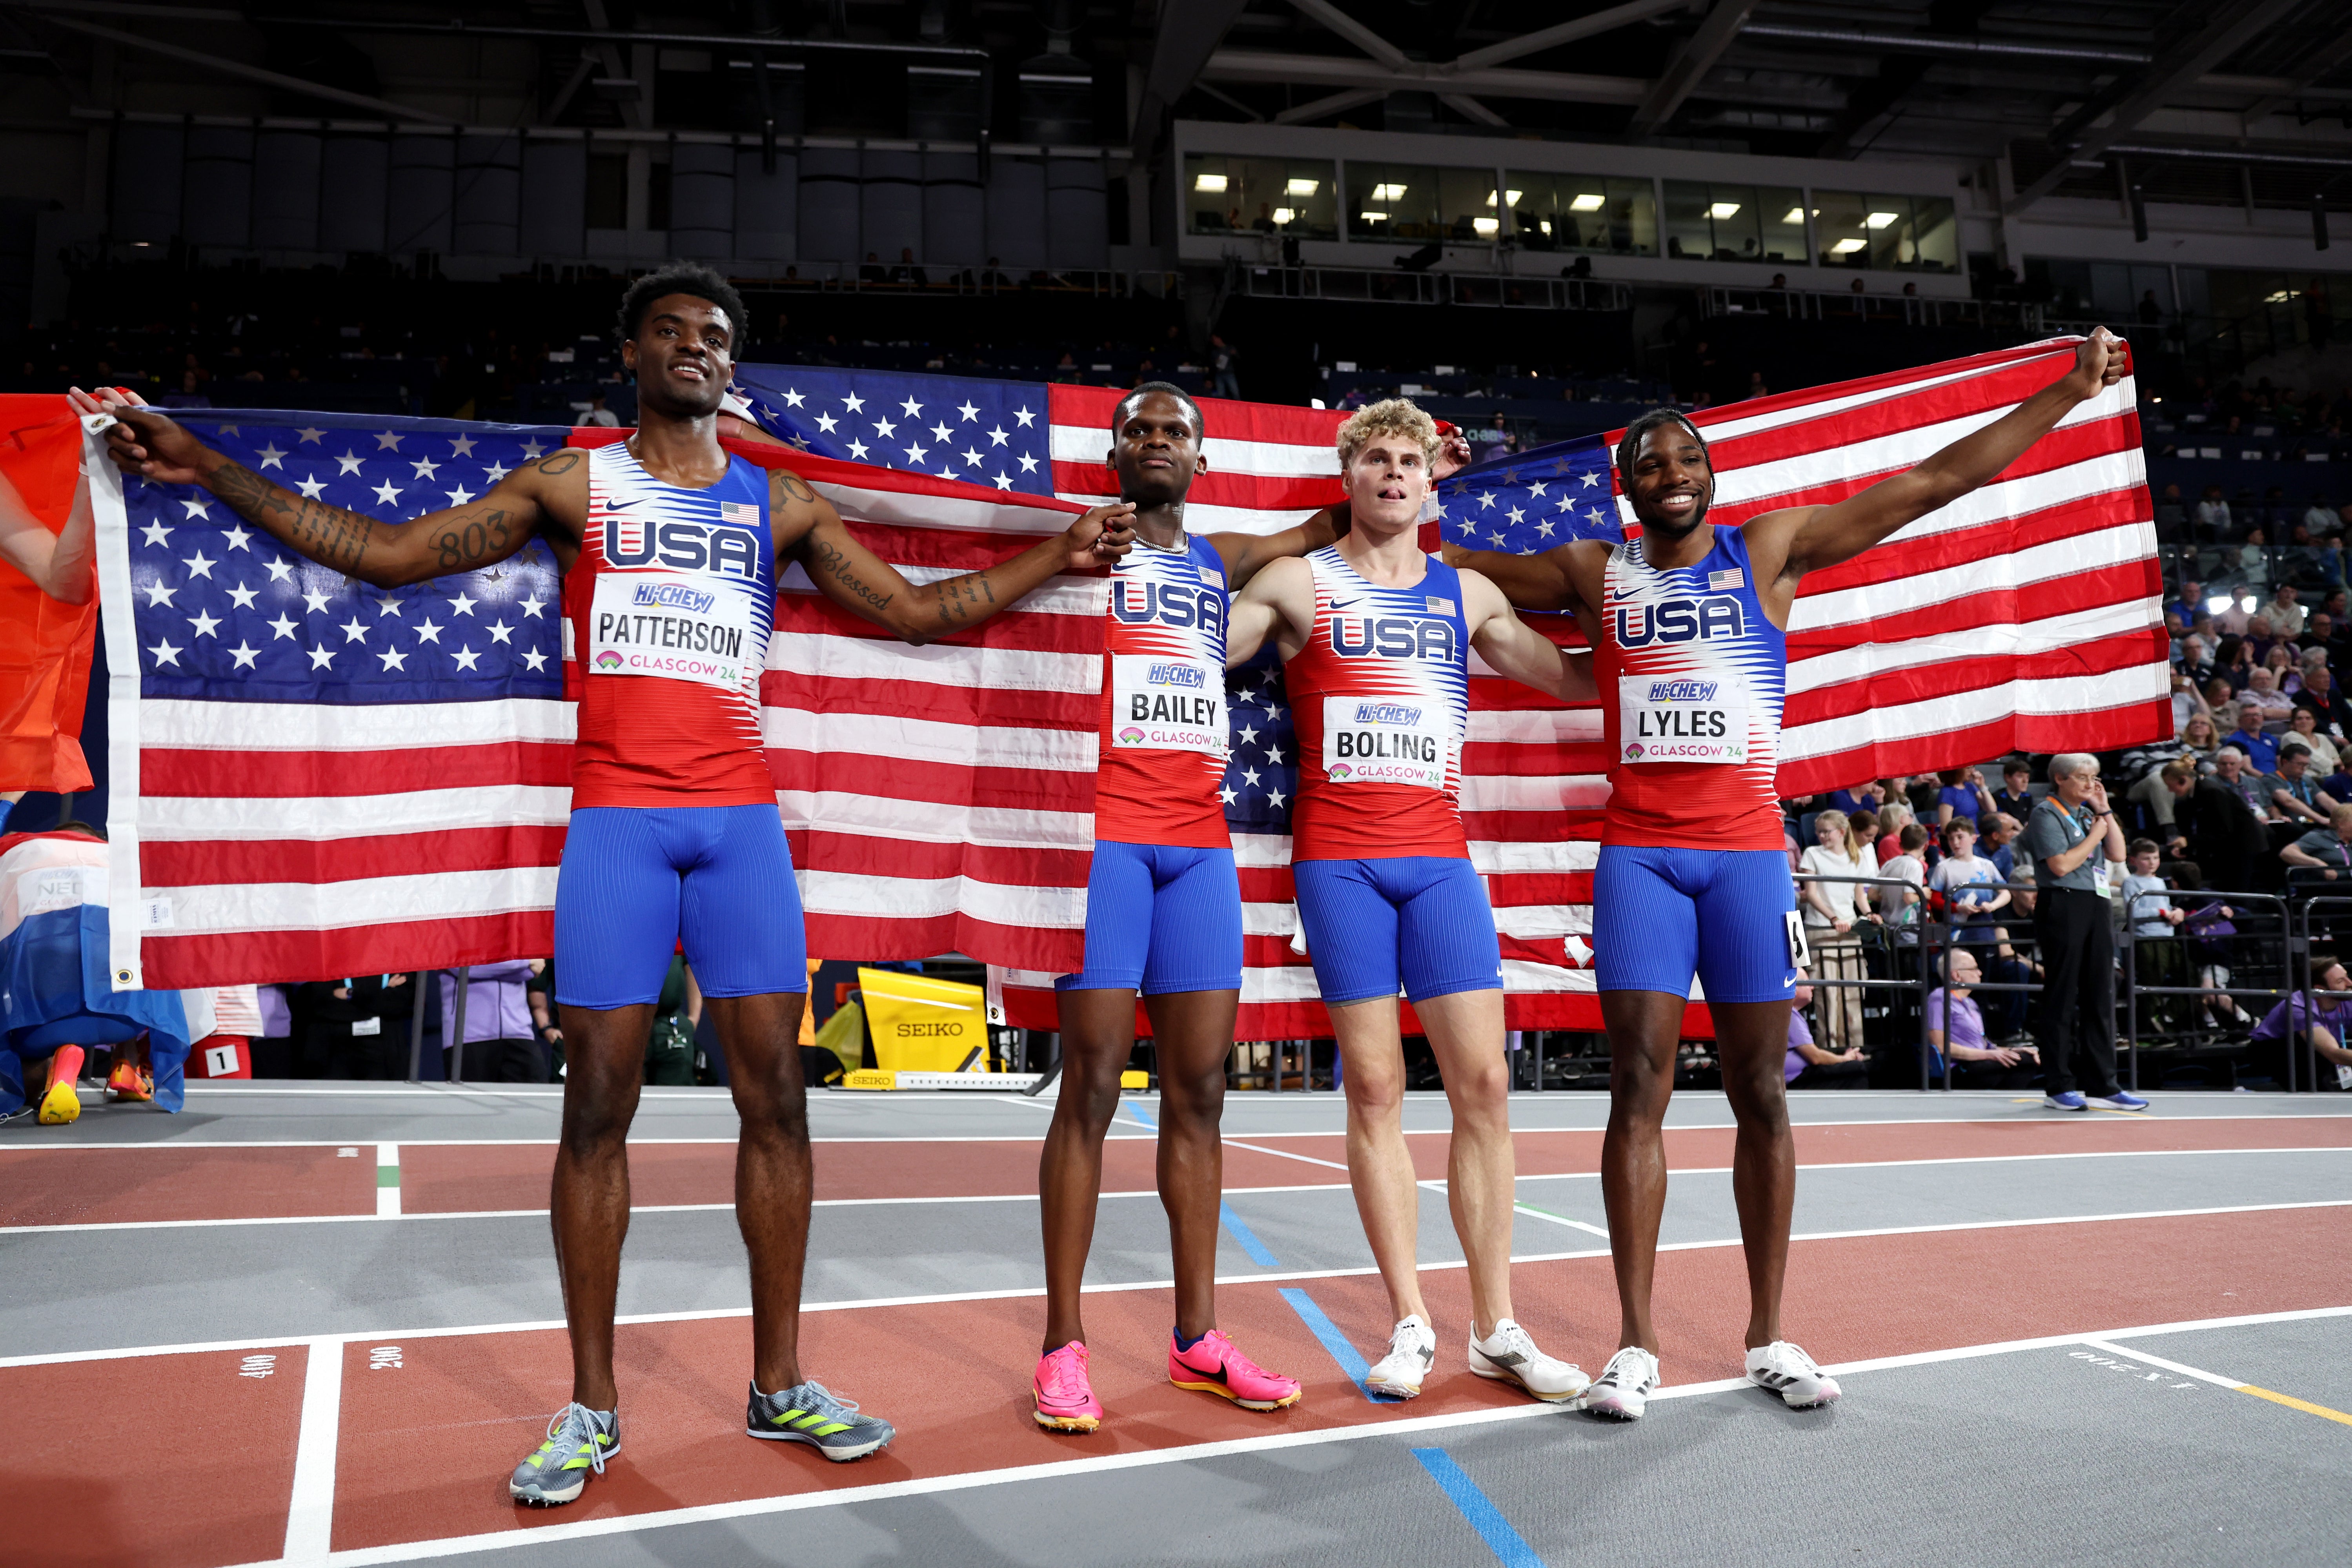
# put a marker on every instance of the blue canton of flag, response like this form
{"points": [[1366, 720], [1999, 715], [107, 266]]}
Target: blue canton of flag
{"points": [[1531, 500], [224, 612], [982, 432], [1261, 782]]}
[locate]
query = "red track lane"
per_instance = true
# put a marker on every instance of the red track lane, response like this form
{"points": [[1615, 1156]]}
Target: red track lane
{"points": [[107, 1186], [442, 1431], [177, 1461], [65, 1186]]}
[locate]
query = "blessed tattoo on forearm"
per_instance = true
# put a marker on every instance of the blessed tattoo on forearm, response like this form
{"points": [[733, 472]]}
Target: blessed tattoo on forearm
{"points": [[326, 533], [835, 565]]}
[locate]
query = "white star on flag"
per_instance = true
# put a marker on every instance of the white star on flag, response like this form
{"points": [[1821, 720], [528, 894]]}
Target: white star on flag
{"points": [[245, 654], [428, 632], [794, 398], [1026, 417], [157, 594], [165, 653], [914, 409], [388, 441], [532, 606], [855, 404], [940, 432], [463, 603], [462, 447], [237, 537], [310, 488], [313, 601], [460, 496], [203, 623], [425, 467], [388, 493], [353, 631], [155, 534], [308, 434], [393, 659], [467, 657], [825, 423], [533, 657], [349, 461], [884, 428], [968, 411], [998, 436], [281, 625], [241, 597], [501, 631], [278, 570], [197, 506], [857, 450], [200, 564], [271, 457], [320, 657]]}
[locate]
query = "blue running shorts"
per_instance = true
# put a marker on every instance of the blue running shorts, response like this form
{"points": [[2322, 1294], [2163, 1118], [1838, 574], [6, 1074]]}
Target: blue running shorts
{"points": [[1161, 920], [1419, 923], [1729, 916], [636, 880]]}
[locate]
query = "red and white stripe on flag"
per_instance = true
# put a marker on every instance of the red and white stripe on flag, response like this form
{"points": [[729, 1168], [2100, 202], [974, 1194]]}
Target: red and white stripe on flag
{"points": [[1270, 467]]}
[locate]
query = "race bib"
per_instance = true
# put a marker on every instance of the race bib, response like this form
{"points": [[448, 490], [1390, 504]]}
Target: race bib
{"points": [[1166, 705], [1372, 740], [1682, 719], [683, 627]]}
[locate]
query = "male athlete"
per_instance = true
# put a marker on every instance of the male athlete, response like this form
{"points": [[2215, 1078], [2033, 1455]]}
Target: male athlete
{"points": [[670, 549], [1163, 912], [1376, 638], [1687, 621]]}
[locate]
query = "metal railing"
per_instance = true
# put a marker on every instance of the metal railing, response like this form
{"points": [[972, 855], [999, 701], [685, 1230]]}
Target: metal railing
{"points": [[1399, 287], [1907, 310]]}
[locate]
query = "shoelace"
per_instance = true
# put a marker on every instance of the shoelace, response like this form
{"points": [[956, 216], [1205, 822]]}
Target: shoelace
{"points": [[563, 1422], [1788, 1360], [1406, 1340], [1627, 1369], [1065, 1372], [827, 1402]]}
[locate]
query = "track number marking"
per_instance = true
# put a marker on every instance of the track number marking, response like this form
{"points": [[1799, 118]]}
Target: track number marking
{"points": [[258, 1366], [2143, 1374], [382, 1356]]}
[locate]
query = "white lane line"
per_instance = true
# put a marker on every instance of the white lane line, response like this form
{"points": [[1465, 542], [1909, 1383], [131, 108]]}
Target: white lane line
{"points": [[310, 1516], [388, 1200], [1027, 1292], [2172, 1366], [1284, 1155], [494, 1540], [387, 1181]]}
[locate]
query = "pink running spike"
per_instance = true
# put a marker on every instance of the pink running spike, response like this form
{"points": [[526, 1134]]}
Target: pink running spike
{"points": [[1215, 1365], [1065, 1398]]}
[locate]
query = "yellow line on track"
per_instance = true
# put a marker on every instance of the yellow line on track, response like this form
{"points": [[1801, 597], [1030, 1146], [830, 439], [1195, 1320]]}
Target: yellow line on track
{"points": [[2292, 1402]]}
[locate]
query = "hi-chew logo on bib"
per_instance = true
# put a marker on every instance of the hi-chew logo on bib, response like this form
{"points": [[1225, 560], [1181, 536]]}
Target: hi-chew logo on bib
{"points": [[1682, 719], [675, 629], [1366, 740], [1167, 704]]}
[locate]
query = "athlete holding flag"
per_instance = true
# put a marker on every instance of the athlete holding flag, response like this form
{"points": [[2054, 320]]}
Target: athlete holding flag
{"points": [[1375, 638], [1688, 623]]}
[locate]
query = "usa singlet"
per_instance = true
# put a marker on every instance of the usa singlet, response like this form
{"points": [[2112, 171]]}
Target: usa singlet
{"points": [[1691, 673], [666, 617], [1163, 735], [1381, 694]]}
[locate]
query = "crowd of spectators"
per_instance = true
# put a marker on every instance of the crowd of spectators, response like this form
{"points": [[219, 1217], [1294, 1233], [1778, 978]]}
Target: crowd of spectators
{"points": [[2261, 422]]}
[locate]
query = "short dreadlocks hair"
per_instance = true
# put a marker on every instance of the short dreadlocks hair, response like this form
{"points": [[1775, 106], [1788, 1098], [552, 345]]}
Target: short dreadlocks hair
{"points": [[1119, 413], [684, 278], [1631, 446]]}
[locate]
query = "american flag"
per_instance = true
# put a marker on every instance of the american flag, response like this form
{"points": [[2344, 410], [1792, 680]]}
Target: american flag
{"points": [[312, 777], [2024, 617]]}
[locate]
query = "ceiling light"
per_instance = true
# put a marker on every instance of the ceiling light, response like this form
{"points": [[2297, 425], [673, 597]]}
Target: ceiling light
{"points": [[1373, 217], [1388, 193], [1485, 225], [1847, 246], [1794, 214], [1879, 220], [1588, 202], [1283, 215], [1302, 187], [1722, 209], [1545, 224], [1209, 183]]}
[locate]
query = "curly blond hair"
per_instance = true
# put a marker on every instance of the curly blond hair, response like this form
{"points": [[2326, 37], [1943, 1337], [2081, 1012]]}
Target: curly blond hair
{"points": [[1389, 417]]}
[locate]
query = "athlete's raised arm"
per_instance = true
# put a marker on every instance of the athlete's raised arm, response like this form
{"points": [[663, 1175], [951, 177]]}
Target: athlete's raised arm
{"points": [[384, 554], [1539, 582], [809, 530], [1806, 538], [1517, 649], [1247, 554], [1279, 602]]}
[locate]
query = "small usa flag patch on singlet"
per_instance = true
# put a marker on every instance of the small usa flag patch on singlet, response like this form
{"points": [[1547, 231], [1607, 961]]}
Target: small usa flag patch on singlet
{"points": [[745, 514], [1438, 606], [1732, 578]]}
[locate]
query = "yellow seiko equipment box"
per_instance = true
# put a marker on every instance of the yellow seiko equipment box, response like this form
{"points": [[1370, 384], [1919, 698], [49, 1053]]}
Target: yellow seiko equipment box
{"points": [[922, 1025]]}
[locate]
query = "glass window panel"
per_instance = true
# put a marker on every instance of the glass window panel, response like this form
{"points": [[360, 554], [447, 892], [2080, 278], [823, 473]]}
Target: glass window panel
{"points": [[1781, 212], [1936, 244], [1690, 233], [1732, 210], [1887, 224], [1291, 197], [1583, 212], [1720, 223], [1469, 206], [1841, 235], [1393, 201]]}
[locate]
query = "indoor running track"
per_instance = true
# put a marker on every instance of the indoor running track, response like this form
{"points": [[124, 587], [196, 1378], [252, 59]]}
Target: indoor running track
{"points": [[320, 1323]]}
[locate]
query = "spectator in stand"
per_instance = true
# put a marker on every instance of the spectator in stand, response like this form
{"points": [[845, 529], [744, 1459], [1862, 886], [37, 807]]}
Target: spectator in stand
{"points": [[2196, 660], [2201, 737], [1956, 1033], [1866, 797], [1997, 844], [1970, 883], [1831, 909], [2073, 839], [2231, 618], [2171, 515], [2212, 515], [2186, 703], [2260, 638], [2149, 922], [2263, 696], [1961, 793], [1862, 832], [357, 1028], [500, 1044], [2315, 1019], [2247, 738], [2293, 790], [1224, 364], [873, 271], [1887, 842], [1809, 1066], [598, 414], [2235, 662], [2331, 713], [906, 271], [2303, 729], [2319, 633], [1898, 907], [2254, 560], [2285, 668], [2322, 854], [2235, 773], [273, 1047], [2319, 517], [2015, 796]]}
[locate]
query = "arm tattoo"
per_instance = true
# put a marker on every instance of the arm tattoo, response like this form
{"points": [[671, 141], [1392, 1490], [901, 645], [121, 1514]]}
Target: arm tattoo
{"points": [[835, 565], [327, 534], [957, 595], [558, 462], [475, 534], [791, 484]]}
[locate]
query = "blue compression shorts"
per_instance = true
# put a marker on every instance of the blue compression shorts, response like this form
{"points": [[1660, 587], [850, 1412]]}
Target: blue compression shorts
{"points": [[1421, 922], [1161, 920], [636, 880], [1729, 916]]}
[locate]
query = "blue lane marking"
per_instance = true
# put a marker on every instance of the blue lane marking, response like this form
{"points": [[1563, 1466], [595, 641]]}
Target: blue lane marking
{"points": [[1248, 1238], [1484, 1518], [1325, 1330], [1135, 1108]]}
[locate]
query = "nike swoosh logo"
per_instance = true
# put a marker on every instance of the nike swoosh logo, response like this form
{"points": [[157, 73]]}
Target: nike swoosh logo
{"points": [[1341, 603]]}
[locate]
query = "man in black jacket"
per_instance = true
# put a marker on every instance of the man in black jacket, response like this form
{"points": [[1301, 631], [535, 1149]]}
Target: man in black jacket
{"points": [[2226, 840], [356, 1028]]}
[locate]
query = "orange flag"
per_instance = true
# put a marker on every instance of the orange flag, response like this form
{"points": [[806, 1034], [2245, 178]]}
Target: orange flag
{"points": [[44, 647]]}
